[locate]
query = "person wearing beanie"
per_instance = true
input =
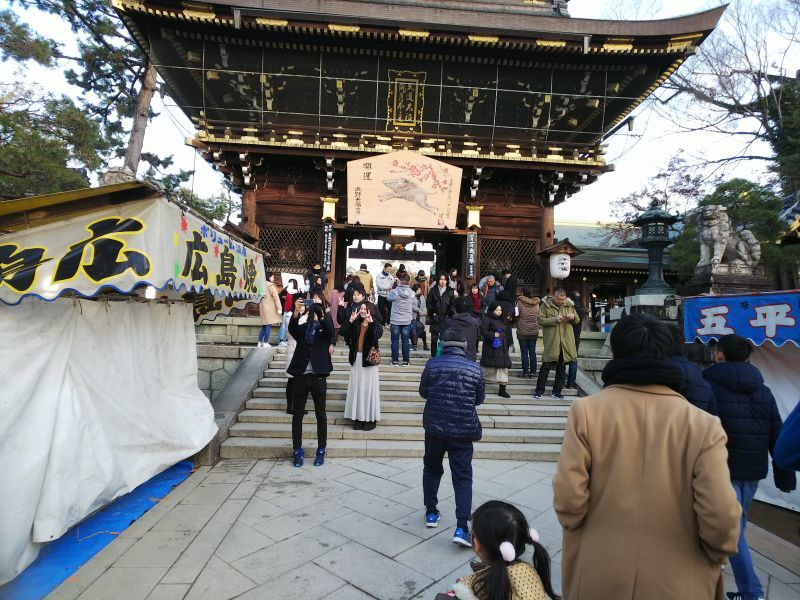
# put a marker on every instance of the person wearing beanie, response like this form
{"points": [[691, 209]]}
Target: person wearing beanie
{"points": [[452, 386]]}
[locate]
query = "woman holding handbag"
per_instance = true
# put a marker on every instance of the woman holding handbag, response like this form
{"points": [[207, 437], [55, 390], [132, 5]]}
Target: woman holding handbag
{"points": [[362, 330], [495, 358]]}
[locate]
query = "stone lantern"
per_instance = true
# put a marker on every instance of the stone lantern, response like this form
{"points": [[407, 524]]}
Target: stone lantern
{"points": [[655, 224]]}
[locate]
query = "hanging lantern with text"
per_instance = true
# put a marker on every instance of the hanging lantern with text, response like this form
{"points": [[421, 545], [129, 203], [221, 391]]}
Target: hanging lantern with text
{"points": [[559, 265]]}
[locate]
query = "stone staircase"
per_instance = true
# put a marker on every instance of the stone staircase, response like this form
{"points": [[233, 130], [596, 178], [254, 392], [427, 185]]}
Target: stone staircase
{"points": [[513, 428]]}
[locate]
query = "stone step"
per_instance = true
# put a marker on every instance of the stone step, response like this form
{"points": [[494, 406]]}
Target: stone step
{"points": [[406, 406], [340, 393], [260, 448], [390, 373], [278, 415], [338, 381], [391, 432]]}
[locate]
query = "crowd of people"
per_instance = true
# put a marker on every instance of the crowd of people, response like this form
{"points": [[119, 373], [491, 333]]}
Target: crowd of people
{"points": [[667, 494]]}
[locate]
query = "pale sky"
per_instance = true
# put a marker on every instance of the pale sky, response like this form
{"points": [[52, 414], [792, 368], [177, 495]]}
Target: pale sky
{"points": [[636, 155]]}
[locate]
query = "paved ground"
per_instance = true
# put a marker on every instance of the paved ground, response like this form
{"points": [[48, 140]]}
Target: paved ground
{"points": [[350, 530]]}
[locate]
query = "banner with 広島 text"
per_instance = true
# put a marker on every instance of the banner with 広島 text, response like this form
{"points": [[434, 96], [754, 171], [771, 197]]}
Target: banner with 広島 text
{"points": [[119, 248]]}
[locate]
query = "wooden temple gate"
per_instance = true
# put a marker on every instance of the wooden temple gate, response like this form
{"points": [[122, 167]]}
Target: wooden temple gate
{"points": [[516, 94]]}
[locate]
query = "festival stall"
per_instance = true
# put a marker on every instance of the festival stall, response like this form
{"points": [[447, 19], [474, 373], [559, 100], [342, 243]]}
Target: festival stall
{"points": [[100, 290], [771, 321]]}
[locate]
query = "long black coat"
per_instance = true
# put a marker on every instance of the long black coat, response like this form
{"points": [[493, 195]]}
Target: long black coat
{"points": [[440, 306], [350, 333], [318, 352], [491, 356]]}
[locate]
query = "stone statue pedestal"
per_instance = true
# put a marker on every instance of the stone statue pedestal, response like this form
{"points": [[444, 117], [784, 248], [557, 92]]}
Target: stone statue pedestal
{"points": [[729, 279]]}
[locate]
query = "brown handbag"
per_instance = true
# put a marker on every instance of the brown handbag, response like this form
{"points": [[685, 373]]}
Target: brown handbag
{"points": [[374, 357]]}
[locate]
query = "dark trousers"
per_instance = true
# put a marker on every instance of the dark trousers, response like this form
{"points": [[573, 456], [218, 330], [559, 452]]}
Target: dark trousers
{"points": [[459, 453], [289, 392], [434, 341], [385, 308], [572, 368], [318, 386], [417, 334], [544, 373]]}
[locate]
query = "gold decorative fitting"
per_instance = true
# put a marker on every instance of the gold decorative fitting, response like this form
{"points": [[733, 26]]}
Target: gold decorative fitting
{"points": [[618, 45], [126, 4], [198, 11], [329, 208], [212, 75], [413, 33], [484, 39], [344, 28], [272, 22], [593, 103], [551, 43]]}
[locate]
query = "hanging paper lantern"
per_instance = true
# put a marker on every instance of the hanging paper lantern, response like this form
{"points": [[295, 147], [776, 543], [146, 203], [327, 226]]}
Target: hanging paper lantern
{"points": [[559, 266]]}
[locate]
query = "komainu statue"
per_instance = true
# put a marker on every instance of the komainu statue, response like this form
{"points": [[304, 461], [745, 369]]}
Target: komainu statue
{"points": [[721, 245]]}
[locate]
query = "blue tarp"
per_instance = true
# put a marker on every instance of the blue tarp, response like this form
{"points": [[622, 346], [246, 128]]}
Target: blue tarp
{"points": [[757, 317], [61, 558]]}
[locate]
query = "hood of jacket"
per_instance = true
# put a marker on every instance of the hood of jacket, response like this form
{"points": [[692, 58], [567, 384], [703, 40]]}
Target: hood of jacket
{"points": [[463, 319], [403, 291], [549, 302], [738, 377], [529, 301]]}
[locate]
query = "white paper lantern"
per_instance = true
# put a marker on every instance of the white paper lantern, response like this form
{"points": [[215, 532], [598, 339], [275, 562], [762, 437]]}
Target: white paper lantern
{"points": [[559, 265]]}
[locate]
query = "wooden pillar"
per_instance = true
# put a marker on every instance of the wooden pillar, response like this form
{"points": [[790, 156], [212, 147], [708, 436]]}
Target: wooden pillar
{"points": [[547, 239], [249, 212], [586, 301]]}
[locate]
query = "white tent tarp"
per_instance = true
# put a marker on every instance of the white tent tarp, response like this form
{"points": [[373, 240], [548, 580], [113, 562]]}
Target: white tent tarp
{"points": [[97, 398], [781, 370]]}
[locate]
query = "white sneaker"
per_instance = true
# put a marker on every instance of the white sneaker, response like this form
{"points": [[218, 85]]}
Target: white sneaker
{"points": [[260, 345], [266, 345], [282, 345]]}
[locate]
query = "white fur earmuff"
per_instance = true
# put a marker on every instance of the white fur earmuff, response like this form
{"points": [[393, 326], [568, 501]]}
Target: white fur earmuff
{"points": [[508, 552], [534, 534]]}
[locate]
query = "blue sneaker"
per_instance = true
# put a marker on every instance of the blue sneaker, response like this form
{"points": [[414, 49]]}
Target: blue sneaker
{"points": [[462, 537], [320, 458], [432, 519], [297, 457]]}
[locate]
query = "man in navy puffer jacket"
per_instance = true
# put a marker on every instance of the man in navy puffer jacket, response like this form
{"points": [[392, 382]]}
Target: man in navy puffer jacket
{"points": [[694, 388], [452, 386], [751, 419]]}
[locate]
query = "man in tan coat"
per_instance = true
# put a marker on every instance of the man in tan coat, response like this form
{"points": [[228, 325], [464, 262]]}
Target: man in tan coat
{"points": [[642, 488]]}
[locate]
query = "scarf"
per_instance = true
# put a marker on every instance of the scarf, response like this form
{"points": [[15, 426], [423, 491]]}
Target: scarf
{"points": [[643, 371], [476, 302], [311, 330]]}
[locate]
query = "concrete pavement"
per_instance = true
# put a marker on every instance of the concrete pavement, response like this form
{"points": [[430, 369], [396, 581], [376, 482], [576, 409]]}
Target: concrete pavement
{"points": [[350, 530]]}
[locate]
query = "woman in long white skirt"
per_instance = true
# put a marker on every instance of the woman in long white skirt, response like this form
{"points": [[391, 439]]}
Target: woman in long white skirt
{"points": [[362, 332]]}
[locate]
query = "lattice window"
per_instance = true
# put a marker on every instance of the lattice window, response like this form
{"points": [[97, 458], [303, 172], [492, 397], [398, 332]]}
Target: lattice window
{"points": [[293, 249], [517, 255]]}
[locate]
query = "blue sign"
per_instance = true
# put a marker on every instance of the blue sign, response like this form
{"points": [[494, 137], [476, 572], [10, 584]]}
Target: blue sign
{"points": [[757, 317]]}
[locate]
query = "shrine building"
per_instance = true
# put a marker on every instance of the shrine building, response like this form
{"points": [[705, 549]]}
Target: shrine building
{"points": [[502, 104]]}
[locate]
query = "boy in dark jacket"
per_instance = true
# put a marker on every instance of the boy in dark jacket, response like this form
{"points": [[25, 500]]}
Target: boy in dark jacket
{"points": [[452, 386], [751, 420], [310, 367], [694, 388], [467, 326]]}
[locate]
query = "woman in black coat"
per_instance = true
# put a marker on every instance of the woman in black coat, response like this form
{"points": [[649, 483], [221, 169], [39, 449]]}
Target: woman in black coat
{"points": [[362, 331], [495, 358], [440, 305], [314, 339]]}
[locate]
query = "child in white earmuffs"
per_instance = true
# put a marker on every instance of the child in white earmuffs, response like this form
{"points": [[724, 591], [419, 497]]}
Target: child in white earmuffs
{"points": [[500, 534]]}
